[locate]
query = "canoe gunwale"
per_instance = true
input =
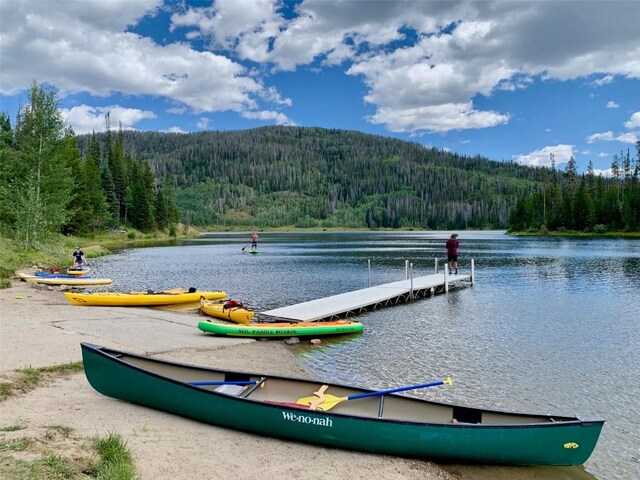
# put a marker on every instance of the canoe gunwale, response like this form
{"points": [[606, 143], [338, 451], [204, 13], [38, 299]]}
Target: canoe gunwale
{"points": [[566, 420]]}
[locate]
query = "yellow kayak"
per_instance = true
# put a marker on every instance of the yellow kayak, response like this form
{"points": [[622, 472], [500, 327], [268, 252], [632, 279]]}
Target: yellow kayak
{"points": [[231, 310], [82, 270], [140, 299]]}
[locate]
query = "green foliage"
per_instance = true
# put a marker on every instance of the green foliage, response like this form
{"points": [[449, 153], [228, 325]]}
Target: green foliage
{"points": [[584, 203], [115, 459], [277, 176], [11, 428], [35, 181], [48, 187], [27, 379]]}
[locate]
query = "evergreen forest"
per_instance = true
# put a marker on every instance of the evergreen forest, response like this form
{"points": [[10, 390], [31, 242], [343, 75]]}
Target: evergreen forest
{"points": [[313, 177], [48, 187], [54, 182], [589, 203]]}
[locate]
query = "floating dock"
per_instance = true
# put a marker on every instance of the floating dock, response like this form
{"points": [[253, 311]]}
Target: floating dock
{"points": [[358, 301]]}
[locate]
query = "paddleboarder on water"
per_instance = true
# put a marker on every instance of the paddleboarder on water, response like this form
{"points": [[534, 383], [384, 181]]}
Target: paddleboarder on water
{"points": [[254, 241]]}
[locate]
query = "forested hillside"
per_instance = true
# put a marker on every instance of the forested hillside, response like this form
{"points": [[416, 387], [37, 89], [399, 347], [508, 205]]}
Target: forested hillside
{"points": [[275, 176]]}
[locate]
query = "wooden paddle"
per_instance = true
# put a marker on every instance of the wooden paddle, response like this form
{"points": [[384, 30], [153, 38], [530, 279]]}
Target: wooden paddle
{"points": [[327, 402]]}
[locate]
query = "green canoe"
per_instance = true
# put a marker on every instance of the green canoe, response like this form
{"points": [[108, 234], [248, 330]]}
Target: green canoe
{"points": [[281, 329], [388, 424]]}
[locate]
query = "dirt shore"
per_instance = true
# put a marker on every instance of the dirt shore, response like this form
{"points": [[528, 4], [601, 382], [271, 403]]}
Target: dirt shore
{"points": [[39, 328]]}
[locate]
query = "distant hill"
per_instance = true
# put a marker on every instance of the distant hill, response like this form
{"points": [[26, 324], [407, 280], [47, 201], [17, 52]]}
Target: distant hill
{"points": [[276, 176]]}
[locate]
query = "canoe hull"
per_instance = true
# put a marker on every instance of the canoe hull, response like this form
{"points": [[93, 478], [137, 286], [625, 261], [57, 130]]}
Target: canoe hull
{"points": [[138, 299], [233, 314], [262, 330], [567, 443]]}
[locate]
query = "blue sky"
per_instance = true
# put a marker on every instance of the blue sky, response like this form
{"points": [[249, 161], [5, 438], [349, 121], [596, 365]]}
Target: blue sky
{"points": [[508, 80]]}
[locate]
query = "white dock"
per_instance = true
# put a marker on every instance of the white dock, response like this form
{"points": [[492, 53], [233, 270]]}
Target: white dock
{"points": [[352, 303]]}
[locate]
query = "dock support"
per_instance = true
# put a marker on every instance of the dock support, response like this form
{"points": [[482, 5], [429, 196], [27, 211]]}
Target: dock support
{"points": [[473, 271], [411, 283], [406, 269], [446, 278], [369, 262], [436, 267]]}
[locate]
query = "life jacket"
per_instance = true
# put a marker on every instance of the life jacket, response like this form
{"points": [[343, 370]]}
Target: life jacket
{"points": [[232, 304]]}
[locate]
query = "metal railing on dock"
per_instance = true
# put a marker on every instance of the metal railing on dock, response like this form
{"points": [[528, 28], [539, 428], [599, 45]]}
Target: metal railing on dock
{"points": [[358, 301]]}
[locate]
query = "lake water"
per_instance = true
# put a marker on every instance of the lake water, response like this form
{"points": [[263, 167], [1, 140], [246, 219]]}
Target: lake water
{"points": [[552, 325]]}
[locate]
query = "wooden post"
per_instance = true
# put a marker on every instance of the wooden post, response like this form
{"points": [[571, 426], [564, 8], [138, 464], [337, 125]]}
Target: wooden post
{"points": [[436, 268], [473, 271], [406, 269]]}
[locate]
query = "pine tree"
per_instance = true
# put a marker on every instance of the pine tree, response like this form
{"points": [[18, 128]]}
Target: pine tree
{"points": [[43, 182]]}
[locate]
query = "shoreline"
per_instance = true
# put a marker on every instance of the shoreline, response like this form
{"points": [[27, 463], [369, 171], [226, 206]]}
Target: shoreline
{"points": [[39, 328]]}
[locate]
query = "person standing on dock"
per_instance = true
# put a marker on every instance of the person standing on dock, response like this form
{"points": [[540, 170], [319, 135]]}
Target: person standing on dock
{"points": [[452, 252]]}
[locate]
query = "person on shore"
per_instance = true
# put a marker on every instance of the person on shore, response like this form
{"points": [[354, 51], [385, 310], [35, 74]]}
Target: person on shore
{"points": [[452, 253], [254, 241], [78, 257]]}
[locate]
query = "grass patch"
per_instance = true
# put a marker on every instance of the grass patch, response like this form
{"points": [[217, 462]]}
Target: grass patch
{"points": [[15, 444], [11, 428], [115, 459], [49, 467], [105, 458], [27, 379], [56, 251]]}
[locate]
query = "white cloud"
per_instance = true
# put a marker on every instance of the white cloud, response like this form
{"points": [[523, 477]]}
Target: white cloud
{"points": [[279, 118], [203, 123], [611, 104], [634, 121], [483, 49], [629, 137], [603, 173], [84, 47], [437, 118], [542, 157], [607, 79], [245, 26], [175, 130], [452, 53], [86, 119], [600, 136]]}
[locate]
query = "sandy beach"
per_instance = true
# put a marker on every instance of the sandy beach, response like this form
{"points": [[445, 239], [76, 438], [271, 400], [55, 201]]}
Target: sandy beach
{"points": [[39, 328]]}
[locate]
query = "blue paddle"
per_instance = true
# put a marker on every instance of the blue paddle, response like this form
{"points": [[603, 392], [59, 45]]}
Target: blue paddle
{"points": [[242, 382], [324, 402]]}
